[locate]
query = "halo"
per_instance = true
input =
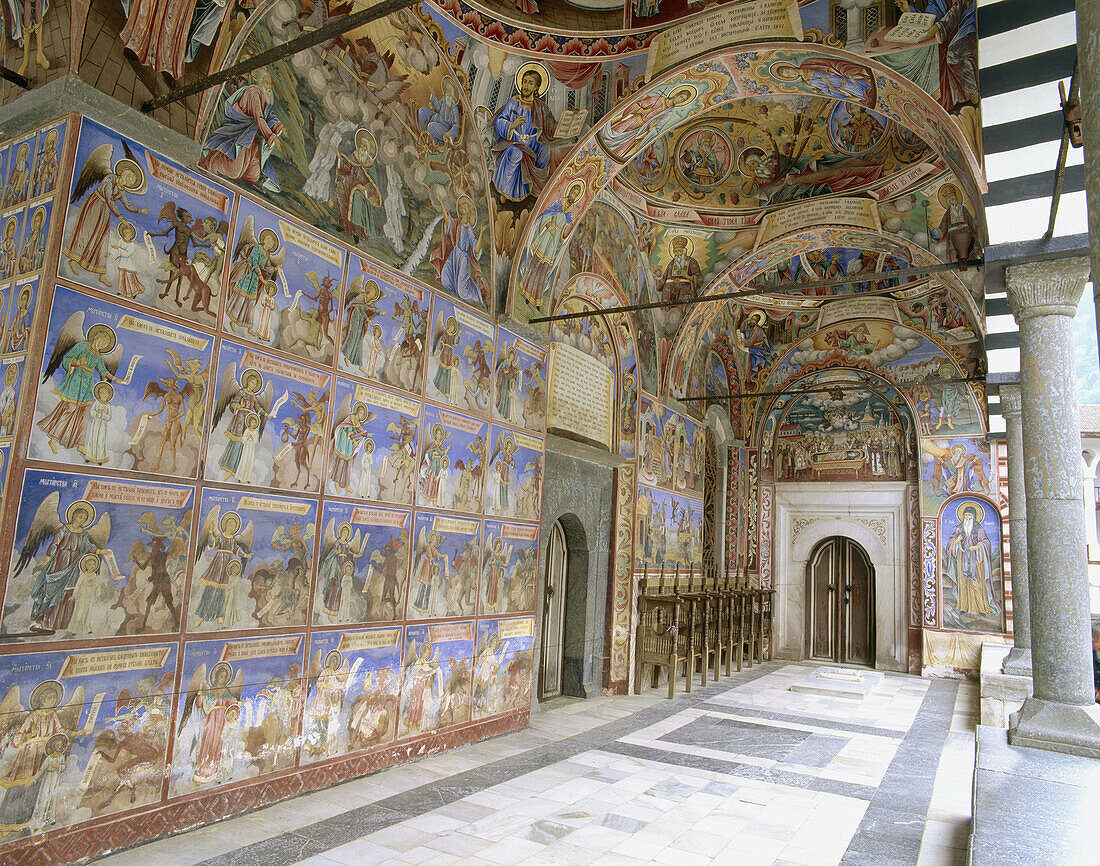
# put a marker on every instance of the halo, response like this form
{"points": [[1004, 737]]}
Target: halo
{"points": [[968, 504], [533, 66], [110, 390], [437, 428], [683, 88], [452, 325], [359, 404], [946, 371], [463, 198], [81, 505], [236, 562], [270, 232], [339, 657], [752, 150], [226, 516], [55, 739], [215, 669], [24, 148], [249, 417], [94, 556], [449, 80], [100, 328], [943, 191], [342, 525], [124, 224], [362, 134], [42, 211], [249, 373], [142, 185], [26, 293], [509, 444], [372, 290], [784, 71], [368, 446], [688, 243], [43, 687], [51, 134], [576, 183]]}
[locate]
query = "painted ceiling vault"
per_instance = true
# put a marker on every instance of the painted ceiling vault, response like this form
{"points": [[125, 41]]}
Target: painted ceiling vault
{"points": [[539, 157]]}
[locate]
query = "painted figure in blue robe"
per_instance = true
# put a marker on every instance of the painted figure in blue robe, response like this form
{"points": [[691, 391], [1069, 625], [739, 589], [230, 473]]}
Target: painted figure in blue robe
{"points": [[957, 37], [525, 130], [840, 79], [241, 146], [455, 257], [443, 120]]}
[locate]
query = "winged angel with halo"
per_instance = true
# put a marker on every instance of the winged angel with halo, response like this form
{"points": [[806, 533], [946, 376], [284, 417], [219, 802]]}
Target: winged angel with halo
{"points": [[222, 534], [243, 397], [37, 739], [328, 685], [83, 357], [57, 572], [217, 698]]}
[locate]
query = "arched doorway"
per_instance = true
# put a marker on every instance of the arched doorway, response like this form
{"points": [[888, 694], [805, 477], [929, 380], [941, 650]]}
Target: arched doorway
{"points": [[552, 651], [841, 612]]}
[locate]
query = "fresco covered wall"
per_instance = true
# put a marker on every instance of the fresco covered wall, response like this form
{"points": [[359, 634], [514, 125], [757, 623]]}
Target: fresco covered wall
{"points": [[274, 507]]}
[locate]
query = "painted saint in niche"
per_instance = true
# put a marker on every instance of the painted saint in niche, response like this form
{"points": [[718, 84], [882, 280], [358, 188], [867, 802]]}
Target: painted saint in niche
{"points": [[958, 227], [112, 180], [213, 698], [241, 398], [32, 254], [222, 533], [45, 165], [40, 737], [15, 190], [968, 563], [15, 336], [682, 275], [57, 573], [525, 131], [240, 148]]}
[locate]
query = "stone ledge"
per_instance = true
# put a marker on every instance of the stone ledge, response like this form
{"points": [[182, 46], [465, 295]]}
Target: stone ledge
{"points": [[1001, 694]]}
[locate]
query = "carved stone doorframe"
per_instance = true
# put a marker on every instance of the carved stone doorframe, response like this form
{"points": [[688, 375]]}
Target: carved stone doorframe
{"points": [[875, 516]]}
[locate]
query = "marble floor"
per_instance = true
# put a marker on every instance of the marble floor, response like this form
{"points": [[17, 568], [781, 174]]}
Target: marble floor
{"points": [[743, 771]]}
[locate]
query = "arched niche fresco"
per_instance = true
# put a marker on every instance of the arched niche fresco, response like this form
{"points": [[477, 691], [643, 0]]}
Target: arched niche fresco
{"points": [[689, 94], [370, 136]]}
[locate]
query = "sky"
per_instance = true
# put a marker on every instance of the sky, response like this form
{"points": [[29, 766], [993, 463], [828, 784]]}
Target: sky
{"points": [[1085, 349]]}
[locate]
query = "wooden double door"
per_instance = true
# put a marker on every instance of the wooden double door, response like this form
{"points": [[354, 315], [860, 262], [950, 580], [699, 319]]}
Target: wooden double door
{"points": [[842, 613]]}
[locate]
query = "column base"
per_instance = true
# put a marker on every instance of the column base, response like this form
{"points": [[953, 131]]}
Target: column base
{"points": [[1018, 662], [1071, 729]]}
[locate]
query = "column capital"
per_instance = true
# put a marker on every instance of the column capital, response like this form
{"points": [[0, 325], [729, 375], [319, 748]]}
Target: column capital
{"points": [[1011, 401], [1046, 288]]}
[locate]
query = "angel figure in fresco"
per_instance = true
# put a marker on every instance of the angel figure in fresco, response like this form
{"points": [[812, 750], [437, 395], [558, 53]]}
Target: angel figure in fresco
{"points": [[339, 549], [39, 736], [356, 194], [423, 686], [83, 357], [167, 543], [954, 470], [496, 568], [109, 181], [503, 461], [15, 336], [429, 568], [212, 696], [455, 257], [348, 436], [486, 666], [196, 376], [328, 683], [57, 572], [257, 261], [241, 397], [434, 465], [45, 165], [360, 310], [443, 346], [221, 533], [646, 116], [968, 563]]}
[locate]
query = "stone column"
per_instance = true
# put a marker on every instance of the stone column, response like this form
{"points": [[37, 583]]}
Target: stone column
{"points": [[1018, 661], [1088, 72], [1061, 715]]}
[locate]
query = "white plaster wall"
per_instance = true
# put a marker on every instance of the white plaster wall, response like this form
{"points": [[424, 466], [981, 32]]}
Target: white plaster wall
{"points": [[872, 514]]}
